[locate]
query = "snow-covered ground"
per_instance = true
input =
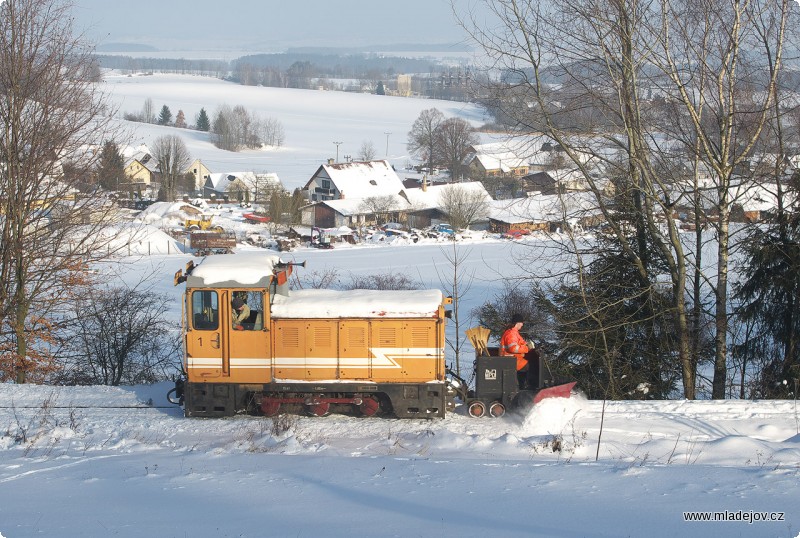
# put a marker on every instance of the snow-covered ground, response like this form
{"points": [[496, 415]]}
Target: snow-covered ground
{"points": [[313, 121], [101, 461], [97, 461]]}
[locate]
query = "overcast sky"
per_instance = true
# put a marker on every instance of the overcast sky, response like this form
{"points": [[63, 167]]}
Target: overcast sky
{"points": [[270, 24]]}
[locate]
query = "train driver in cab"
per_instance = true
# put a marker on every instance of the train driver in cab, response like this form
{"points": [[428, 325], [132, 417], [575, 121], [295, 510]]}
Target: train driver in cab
{"points": [[241, 312]]}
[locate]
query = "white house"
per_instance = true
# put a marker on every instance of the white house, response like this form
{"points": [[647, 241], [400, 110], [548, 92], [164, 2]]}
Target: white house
{"points": [[333, 181]]}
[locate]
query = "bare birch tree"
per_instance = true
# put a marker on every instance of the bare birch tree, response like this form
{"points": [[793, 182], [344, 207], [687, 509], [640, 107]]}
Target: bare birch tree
{"points": [[604, 57], [715, 57]]}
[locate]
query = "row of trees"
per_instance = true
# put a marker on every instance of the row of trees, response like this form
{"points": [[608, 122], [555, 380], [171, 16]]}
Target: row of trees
{"points": [[441, 142], [688, 95], [235, 128], [164, 117]]}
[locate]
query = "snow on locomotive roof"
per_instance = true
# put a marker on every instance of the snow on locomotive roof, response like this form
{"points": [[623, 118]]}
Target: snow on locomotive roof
{"points": [[357, 304], [245, 268]]}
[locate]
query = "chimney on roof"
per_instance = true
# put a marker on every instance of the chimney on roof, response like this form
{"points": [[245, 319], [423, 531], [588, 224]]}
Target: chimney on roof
{"points": [[330, 161], [341, 195]]}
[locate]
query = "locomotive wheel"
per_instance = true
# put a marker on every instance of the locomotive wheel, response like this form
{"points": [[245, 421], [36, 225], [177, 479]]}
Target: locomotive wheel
{"points": [[477, 409], [369, 406], [270, 409], [320, 409], [497, 409]]}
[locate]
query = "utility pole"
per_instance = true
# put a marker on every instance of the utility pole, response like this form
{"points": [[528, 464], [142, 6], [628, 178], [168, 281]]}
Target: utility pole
{"points": [[387, 143], [337, 151]]}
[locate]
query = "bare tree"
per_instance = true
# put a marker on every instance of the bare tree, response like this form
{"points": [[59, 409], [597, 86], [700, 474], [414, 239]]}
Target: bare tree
{"points": [[597, 53], [380, 206], [606, 57], [180, 120], [235, 128], [422, 136], [726, 99], [119, 336], [50, 112], [456, 284], [172, 156], [453, 139], [272, 132], [148, 111], [367, 152], [462, 205]]}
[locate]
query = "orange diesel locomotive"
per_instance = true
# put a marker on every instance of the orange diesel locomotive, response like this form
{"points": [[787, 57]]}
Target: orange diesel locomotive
{"points": [[321, 350]]}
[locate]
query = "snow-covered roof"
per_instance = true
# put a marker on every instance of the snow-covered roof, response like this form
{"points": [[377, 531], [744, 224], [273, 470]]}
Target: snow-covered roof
{"points": [[144, 158], [430, 198], [243, 268], [128, 152], [358, 206], [543, 208], [357, 304], [166, 210], [361, 179], [221, 181], [505, 162], [499, 156]]}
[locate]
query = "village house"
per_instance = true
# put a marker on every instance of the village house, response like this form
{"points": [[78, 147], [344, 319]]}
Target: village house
{"points": [[425, 202], [497, 159], [200, 172], [333, 181], [352, 194], [545, 213], [241, 186], [141, 171]]}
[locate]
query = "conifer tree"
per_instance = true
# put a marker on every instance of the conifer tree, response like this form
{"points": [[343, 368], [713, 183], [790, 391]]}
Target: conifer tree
{"points": [[202, 122], [111, 168], [165, 117], [180, 120]]}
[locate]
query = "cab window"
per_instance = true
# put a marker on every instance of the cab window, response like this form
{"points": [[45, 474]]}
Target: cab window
{"points": [[205, 310], [255, 304]]}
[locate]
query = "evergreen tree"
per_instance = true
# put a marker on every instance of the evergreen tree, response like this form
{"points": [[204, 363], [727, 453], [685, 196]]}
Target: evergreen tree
{"points": [[202, 122], [380, 90], [110, 170], [613, 331], [180, 120], [770, 293], [165, 116]]}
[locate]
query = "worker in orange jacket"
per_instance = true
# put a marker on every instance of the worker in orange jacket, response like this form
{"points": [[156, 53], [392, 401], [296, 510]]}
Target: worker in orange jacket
{"points": [[513, 344]]}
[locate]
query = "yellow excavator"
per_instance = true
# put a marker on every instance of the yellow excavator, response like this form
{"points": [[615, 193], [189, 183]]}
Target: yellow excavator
{"points": [[202, 222]]}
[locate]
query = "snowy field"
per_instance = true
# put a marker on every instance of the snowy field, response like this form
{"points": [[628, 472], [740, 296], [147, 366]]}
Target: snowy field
{"points": [[312, 120], [102, 461]]}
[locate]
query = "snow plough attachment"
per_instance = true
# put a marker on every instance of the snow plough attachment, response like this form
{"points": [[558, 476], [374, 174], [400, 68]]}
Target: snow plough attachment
{"points": [[497, 388]]}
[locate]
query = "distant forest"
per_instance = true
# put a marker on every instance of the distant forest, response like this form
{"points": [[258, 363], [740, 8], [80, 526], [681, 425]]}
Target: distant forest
{"points": [[359, 72]]}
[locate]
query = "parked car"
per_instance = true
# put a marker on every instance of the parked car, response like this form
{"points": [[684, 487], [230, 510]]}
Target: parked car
{"points": [[515, 233], [441, 231]]}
